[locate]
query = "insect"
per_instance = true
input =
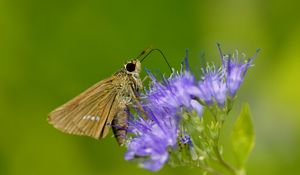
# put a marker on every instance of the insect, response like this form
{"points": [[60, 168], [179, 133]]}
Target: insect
{"points": [[104, 105]]}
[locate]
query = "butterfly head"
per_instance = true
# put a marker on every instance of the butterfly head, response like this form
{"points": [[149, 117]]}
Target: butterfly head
{"points": [[133, 66]]}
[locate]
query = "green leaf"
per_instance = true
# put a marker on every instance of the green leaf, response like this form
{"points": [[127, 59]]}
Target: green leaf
{"points": [[243, 136]]}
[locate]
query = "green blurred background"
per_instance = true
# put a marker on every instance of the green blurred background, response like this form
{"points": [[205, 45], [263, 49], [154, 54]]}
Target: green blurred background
{"points": [[52, 50]]}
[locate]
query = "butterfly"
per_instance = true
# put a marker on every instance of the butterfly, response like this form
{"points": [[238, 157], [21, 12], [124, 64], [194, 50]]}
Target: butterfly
{"points": [[104, 105], [101, 106]]}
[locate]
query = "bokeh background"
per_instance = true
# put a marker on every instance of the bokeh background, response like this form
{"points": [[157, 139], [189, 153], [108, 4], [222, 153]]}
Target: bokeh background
{"points": [[51, 50]]}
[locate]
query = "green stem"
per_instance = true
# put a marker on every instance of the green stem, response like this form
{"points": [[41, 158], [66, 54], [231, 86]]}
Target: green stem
{"points": [[216, 149], [223, 162], [220, 158]]}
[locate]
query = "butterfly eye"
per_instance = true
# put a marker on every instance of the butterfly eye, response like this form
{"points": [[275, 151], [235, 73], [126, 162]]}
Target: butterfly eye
{"points": [[130, 67]]}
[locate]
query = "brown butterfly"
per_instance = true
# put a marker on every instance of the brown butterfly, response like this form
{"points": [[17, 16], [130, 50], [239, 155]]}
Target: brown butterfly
{"points": [[103, 105]]}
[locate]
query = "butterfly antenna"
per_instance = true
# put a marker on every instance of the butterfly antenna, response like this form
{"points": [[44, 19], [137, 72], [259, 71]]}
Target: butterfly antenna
{"points": [[144, 52], [150, 50]]}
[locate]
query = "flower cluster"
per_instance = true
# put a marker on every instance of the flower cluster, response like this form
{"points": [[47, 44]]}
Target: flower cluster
{"points": [[158, 129]]}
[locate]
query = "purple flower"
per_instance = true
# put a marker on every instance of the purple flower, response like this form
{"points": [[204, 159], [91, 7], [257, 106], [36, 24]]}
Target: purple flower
{"points": [[152, 138], [156, 130], [157, 134], [186, 139], [218, 84], [212, 87], [176, 91], [235, 70]]}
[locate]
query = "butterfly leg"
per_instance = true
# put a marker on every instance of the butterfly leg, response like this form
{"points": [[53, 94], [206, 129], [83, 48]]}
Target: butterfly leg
{"points": [[145, 78]]}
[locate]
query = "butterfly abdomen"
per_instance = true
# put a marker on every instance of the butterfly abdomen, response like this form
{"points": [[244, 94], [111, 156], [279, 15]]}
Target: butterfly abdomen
{"points": [[119, 126]]}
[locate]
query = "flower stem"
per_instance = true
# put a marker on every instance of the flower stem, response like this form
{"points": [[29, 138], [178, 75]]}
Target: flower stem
{"points": [[223, 162], [220, 158]]}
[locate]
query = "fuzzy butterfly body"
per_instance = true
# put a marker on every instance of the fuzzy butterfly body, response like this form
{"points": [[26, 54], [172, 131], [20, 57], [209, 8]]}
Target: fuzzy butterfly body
{"points": [[93, 112]]}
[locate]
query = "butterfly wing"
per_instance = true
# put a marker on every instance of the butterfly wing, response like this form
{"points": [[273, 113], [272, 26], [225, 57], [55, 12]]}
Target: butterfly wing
{"points": [[90, 113]]}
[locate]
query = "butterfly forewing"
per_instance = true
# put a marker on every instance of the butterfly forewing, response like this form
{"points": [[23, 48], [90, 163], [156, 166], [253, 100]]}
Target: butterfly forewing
{"points": [[90, 113]]}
